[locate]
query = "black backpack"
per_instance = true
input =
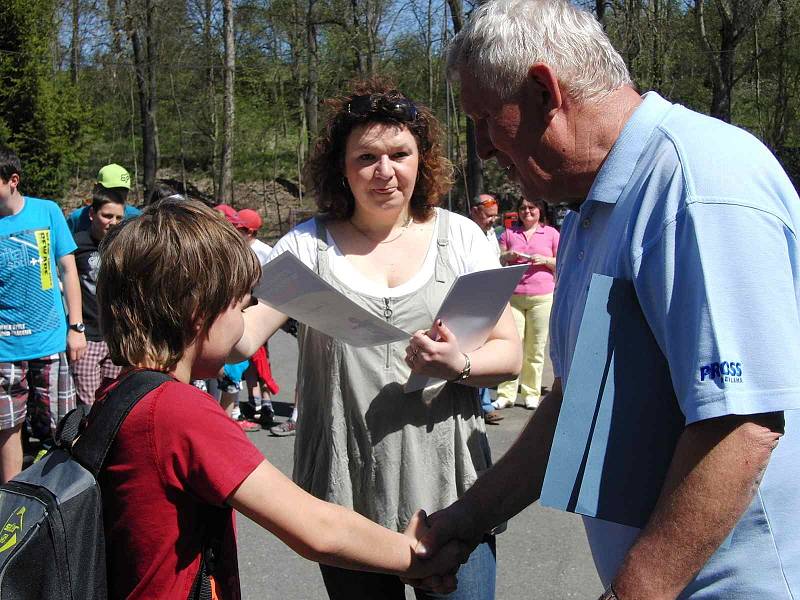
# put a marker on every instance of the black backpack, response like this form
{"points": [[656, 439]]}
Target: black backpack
{"points": [[52, 544]]}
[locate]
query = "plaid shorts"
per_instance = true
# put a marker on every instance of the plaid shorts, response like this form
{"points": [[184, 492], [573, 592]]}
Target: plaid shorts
{"points": [[91, 370], [228, 385], [40, 389]]}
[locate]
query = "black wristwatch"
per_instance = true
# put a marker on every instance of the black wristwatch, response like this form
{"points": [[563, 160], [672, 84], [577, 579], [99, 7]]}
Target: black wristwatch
{"points": [[79, 327]]}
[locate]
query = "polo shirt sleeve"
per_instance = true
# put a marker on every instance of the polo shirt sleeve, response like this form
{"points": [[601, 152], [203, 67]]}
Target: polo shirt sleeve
{"points": [[62, 240], [719, 290]]}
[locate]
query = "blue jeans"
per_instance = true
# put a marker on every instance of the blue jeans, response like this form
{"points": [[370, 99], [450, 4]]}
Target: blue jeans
{"points": [[476, 580], [486, 400]]}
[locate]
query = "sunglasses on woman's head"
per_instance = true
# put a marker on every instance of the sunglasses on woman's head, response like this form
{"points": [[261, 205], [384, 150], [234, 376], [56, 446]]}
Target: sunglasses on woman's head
{"points": [[401, 109]]}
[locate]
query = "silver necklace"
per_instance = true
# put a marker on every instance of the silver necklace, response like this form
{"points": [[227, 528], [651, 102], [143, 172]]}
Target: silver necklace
{"points": [[403, 229]]}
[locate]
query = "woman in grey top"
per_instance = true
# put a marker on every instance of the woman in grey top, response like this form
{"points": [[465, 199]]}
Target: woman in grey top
{"points": [[378, 174]]}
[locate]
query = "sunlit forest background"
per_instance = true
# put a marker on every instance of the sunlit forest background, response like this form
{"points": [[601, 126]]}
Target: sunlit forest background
{"points": [[222, 98]]}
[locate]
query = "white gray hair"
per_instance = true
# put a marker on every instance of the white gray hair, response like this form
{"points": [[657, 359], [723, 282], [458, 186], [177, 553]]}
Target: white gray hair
{"points": [[503, 38]]}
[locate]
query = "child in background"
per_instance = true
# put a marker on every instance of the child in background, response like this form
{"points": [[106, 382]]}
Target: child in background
{"points": [[106, 211], [172, 290], [111, 180], [260, 384]]}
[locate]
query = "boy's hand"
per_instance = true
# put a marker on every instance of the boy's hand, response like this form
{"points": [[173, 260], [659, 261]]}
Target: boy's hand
{"points": [[436, 572], [76, 345]]}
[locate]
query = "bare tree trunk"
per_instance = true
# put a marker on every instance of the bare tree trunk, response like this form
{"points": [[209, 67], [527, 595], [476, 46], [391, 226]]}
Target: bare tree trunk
{"points": [[371, 23], [144, 69], [297, 38], [113, 20], [737, 18], [600, 10], [429, 51], [359, 59], [312, 64], [274, 182], [154, 151], [657, 45], [181, 132], [776, 135], [226, 175], [211, 96], [75, 43], [134, 152], [474, 167]]}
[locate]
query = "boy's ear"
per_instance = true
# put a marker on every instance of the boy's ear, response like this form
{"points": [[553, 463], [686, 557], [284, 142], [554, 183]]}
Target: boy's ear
{"points": [[91, 213], [13, 181]]}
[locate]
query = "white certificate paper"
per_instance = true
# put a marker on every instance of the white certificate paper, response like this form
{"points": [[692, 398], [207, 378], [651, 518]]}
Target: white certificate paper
{"points": [[471, 310], [289, 286]]}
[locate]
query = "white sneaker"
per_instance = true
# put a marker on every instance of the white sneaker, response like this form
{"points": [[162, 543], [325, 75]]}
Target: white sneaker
{"points": [[500, 404], [531, 402]]}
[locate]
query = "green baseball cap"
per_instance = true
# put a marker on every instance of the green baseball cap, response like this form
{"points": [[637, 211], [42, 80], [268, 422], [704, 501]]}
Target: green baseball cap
{"points": [[114, 176]]}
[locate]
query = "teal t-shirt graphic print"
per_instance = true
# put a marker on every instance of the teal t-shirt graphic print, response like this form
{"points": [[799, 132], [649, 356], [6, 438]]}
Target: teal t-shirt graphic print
{"points": [[32, 320]]}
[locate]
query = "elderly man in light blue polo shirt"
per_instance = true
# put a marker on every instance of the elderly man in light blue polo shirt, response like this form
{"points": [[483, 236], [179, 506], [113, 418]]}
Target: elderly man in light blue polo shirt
{"points": [[699, 219]]}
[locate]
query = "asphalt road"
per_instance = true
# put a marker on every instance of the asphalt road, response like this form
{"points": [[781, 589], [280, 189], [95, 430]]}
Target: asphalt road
{"points": [[542, 555]]}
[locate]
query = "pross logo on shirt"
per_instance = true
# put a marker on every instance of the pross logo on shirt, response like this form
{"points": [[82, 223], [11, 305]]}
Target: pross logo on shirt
{"points": [[729, 372]]}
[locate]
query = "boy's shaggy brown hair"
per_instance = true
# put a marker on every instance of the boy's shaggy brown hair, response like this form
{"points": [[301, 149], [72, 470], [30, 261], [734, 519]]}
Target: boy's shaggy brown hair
{"points": [[164, 278]]}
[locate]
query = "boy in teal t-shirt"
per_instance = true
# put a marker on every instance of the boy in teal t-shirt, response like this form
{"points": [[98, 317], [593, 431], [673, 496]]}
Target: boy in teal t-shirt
{"points": [[35, 244]]}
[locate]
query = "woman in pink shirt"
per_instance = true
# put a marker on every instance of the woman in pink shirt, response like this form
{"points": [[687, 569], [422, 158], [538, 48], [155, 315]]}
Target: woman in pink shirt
{"points": [[535, 243]]}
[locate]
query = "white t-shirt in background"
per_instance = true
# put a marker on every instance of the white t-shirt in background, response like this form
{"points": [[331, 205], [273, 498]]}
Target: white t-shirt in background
{"points": [[262, 251]]}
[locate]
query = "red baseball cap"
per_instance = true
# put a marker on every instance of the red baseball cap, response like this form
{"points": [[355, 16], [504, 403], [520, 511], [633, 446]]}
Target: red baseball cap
{"points": [[249, 219], [229, 212]]}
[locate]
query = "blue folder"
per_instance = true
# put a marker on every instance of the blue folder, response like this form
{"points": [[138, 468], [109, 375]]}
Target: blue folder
{"points": [[619, 420]]}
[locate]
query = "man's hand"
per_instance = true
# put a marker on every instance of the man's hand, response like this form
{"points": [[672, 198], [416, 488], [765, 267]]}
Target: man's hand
{"points": [[76, 345], [437, 560]]}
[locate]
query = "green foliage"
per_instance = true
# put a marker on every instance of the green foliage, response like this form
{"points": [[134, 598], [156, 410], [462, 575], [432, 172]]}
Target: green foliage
{"points": [[61, 131], [40, 115]]}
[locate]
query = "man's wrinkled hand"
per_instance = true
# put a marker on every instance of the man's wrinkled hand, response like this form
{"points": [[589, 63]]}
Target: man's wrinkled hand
{"points": [[440, 549]]}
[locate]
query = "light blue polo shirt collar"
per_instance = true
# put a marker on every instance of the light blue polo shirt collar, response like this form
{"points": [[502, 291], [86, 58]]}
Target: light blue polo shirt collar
{"points": [[620, 162]]}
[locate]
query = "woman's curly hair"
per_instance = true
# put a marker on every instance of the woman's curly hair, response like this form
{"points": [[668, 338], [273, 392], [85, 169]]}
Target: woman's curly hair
{"points": [[324, 172]]}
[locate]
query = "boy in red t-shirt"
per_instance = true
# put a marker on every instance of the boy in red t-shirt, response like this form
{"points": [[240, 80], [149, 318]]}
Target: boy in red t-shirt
{"points": [[172, 288]]}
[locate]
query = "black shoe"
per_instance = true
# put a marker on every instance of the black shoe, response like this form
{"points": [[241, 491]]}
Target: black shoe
{"points": [[247, 410], [267, 419]]}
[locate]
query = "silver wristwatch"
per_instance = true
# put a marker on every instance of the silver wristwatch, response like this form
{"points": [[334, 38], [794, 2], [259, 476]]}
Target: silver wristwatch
{"points": [[465, 372]]}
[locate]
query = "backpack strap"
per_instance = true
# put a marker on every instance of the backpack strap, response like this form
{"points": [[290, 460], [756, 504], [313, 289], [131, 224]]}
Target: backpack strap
{"points": [[93, 445], [210, 555], [69, 427]]}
